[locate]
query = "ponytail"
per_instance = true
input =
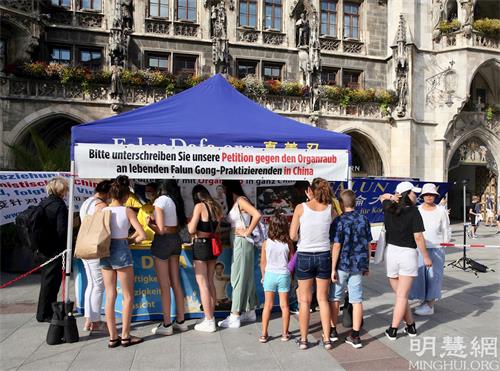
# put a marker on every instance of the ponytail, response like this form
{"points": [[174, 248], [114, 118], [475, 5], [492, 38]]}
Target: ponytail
{"points": [[322, 191]]}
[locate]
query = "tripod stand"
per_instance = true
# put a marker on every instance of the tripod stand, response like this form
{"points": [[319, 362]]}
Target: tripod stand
{"points": [[464, 263]]}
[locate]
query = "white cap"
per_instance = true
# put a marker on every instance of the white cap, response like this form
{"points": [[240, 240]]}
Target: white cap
{"points": [[429, 189], [405, 187]]}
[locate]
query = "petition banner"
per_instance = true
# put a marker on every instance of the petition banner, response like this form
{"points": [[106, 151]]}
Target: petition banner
{"points": [[166, 162], [20, 190]]}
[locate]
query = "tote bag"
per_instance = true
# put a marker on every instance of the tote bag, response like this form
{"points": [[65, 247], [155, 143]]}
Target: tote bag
{"points": [[381, 244], [94, 237]]}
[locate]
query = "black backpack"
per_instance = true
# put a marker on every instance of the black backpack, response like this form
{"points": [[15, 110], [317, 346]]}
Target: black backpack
{"points": [[31, 227]]}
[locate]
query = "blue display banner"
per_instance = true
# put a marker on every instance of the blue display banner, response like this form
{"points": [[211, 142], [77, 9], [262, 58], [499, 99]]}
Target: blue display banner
{"points": [[368, 191]]}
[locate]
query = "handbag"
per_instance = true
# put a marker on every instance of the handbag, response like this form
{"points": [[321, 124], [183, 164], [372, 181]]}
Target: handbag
{"points": [[292, 263], [216, 241], [94, 236], [381, 244], [259, 233]]}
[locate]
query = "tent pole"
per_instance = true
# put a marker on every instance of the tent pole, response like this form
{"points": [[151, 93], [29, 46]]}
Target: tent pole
{"points": [[349, 177], [69, 238]]}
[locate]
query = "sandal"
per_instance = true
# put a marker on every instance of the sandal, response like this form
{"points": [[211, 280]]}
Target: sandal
{"points": [[285, 337], [303, 344], [327, 344], [132, 340], [113, 343], [264, 338]]}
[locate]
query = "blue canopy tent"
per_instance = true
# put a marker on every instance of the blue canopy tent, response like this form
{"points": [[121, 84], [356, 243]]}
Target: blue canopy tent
{"points": [[211, 113]]}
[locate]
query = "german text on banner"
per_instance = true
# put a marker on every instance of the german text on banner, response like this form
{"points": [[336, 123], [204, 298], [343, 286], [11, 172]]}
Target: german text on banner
{"points": [[166, 162]]}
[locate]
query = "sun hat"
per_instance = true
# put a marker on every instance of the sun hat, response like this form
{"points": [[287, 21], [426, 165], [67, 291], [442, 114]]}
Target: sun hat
{"points": [[405, 187], [429, 189]]}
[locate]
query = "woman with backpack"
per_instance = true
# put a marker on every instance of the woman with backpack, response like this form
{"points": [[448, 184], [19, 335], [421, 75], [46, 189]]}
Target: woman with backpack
{"points": [[55, 214], [95, 284], [207, 214], [243, 217]]}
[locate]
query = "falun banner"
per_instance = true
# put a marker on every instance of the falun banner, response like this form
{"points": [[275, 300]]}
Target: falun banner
{"points": [[190, 162]]}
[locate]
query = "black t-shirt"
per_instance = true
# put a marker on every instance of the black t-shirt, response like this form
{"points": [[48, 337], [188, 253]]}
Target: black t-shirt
{"points": [[400, 228]]}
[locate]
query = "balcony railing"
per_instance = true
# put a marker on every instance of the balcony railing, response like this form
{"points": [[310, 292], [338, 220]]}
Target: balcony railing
{"points": [[48, 90], [462, 39]]}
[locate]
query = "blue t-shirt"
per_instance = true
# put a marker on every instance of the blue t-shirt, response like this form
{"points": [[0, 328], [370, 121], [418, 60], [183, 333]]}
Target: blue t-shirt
{"points": [[354, 234]]}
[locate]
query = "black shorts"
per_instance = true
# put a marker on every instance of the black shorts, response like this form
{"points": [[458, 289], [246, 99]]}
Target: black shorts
{"points": [[202, 249], [166, 245]]}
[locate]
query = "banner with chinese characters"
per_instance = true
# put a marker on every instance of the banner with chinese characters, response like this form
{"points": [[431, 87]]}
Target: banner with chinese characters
{"points": [[166, 162], [20, 190]]}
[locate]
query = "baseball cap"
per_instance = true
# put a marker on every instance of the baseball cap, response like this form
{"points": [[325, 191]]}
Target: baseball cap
{"points": [[405, 187]]}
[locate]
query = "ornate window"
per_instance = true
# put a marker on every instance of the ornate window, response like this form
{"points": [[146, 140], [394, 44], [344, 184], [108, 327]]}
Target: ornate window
{"points": [[273, 16], [248, 13], [272, 71], [92, 4], [329, 18], [351, 20], [246, 68], [185, 64], [91, 58], [158, 8], [186, 10], [351, 79], [60, 55], [157, 61], [65, 3], [329, 76]]}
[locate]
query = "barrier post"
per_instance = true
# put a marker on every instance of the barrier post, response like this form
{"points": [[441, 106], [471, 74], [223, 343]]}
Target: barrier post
{"points": [[69, 236]]}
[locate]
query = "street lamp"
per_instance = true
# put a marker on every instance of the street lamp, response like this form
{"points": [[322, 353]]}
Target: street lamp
{"points": [[450, 83]]}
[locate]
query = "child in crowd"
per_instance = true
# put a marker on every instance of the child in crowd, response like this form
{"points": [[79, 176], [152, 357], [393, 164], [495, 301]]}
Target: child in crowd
{"points": [[350, 259], [276, 252]]}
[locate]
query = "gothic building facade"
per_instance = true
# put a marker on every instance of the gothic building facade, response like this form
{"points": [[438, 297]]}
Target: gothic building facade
{"points": [[438, 56]]}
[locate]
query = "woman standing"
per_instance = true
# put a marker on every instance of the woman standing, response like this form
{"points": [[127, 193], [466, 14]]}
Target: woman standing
{"points": [[95, 283], [427, 286], [119, 263], [243, 217], [207, 214], [314, 261], [169, 217], [404, 227], [54, 238]]}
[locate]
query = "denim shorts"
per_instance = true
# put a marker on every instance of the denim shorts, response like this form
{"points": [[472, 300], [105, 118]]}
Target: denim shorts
{"points": [[354, 284], [119, 256], [277, 282], [313, 265]]}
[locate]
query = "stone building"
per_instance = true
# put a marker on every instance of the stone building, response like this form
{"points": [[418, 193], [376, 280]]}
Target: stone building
{"points": [[442, 65]]}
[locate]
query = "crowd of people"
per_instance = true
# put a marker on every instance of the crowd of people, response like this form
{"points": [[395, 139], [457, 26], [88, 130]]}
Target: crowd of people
{"points": [[325, 248]]}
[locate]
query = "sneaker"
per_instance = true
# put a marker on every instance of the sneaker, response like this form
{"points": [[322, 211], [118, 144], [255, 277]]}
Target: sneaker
{"points": [[424, 310], [294, 310], [248, 316], [231, 321], [391, 333], [411, 330], [161, 329], [354, 341], [181, 327], [207, 325], [334, 336]]}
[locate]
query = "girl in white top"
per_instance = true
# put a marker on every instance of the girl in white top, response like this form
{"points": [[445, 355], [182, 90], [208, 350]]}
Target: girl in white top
{"points": [[166, 248], [276, 252], [95, 284], [427, 285], [314, 262], [119, 264]]}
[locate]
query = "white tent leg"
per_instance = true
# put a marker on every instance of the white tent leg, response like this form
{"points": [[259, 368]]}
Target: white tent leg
{"points": [[69, 239], [349, 177]]}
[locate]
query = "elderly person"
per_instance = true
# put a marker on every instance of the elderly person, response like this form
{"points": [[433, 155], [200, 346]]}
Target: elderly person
{"points": [[54, 241], [427, 285]]}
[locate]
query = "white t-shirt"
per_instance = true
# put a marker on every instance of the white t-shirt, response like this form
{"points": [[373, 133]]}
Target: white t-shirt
{"points": [[169, 211], [437, 226], [88, 207]]}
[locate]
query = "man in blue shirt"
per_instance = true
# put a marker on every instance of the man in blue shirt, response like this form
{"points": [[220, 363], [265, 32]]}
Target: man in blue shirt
{"points": [[350, 260]]}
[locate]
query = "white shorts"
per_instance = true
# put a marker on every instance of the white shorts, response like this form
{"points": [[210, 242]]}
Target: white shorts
{"points": [[401, 261]]}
